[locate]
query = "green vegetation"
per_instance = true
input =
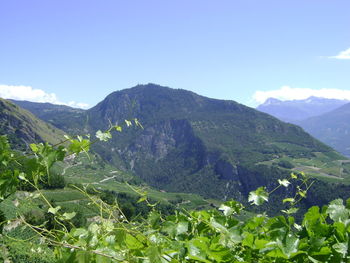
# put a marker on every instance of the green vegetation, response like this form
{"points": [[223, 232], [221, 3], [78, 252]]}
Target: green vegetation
{"points": [[217, 235], [22, 127], [75, 208]]}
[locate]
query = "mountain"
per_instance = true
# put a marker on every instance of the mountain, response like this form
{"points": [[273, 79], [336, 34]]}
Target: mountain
{"points": [[333, 128], [217, 148], [296, 110], [22, 127], [54, 114]]}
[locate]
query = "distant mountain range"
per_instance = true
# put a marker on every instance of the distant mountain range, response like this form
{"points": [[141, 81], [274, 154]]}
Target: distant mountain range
{"points": [[333, 128], [190, 143], [295, 110], [326, 119]]}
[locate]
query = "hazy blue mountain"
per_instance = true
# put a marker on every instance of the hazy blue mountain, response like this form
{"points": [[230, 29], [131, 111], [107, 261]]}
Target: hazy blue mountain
{"points": [[296, 110], [333, 128]]}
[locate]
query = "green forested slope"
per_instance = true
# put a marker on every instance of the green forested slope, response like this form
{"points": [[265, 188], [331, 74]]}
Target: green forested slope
{"points": [[22, 127]]}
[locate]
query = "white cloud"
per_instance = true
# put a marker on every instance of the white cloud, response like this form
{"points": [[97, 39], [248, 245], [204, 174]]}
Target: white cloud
{"points": [[288, 93], [34, 95], [342, 55]]}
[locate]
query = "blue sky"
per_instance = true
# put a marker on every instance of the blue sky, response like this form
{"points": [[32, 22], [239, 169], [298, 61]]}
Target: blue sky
{"points": [[82, 50]]}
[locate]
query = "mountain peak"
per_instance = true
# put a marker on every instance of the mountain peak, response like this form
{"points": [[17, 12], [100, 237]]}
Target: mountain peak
{"points": [[297, 110], [270, 101]]}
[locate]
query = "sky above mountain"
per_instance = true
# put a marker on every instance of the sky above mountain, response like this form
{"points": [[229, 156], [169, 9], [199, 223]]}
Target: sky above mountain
{"points": [[77, 52]]}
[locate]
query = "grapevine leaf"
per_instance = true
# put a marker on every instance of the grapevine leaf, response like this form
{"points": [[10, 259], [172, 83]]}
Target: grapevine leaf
{"points": [[132, 242], [54, 210], [259, 196], [118, 128], [197, 249], [284, 182], [182, 227], [22, 177], [154, 254], [142, 199], [231, 207], [34, 147], [128, 123], [293, 176], [103, 136], [341, 248], [291, 200], [69, 216], [290, 211], [337, 211], [137, 123]]}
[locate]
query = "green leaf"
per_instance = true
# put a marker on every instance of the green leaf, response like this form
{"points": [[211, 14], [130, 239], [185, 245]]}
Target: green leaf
{"points": [[142, 199], [103, 136], [291, 200], [284, 182], [118, 128], [302, 193], [137, 123], [132, 242], [337, 211], [290, 245], [128, 123], [182, 227], [80, 232], [79, 146], [22, 176], [293, 176], [69, 216], [341, 248], [290, 211], [259, 196], [231, 207], [154, 254], [34, 147], [197, 249], [54, 210]]}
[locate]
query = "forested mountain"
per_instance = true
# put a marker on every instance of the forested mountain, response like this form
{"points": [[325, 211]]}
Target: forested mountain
{"points": [[57, 115], [22, 127], [333, 128], [296, 110], [190, 143]]}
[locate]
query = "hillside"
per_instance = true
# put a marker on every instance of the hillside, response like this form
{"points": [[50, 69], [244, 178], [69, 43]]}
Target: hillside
{"points": [[296, 110], [195, 144], [63, 117], [22, 127], [333, 128]]}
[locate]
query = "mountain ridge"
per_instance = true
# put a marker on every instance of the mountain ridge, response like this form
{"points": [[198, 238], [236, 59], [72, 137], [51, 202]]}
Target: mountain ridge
{"points": [[297, 110], [332, 128], [190, 143]]}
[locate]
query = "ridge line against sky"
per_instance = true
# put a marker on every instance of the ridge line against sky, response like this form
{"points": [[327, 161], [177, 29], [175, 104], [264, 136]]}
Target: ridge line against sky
{"points": [[284, 93], [243, 50]]}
